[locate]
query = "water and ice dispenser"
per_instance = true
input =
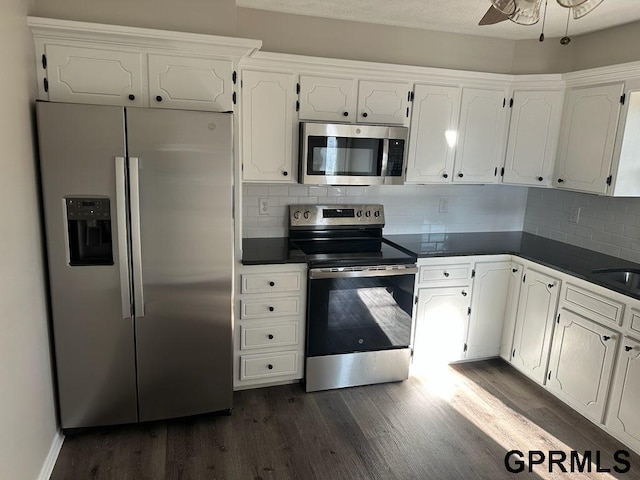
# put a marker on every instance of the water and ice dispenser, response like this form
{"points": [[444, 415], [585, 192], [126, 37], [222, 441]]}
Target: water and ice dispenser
{"points": [[89, 228]]}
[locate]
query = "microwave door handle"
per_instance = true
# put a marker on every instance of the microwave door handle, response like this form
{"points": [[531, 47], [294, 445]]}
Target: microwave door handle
{"points": [[136, 248], [385, 157], [121, 222]]}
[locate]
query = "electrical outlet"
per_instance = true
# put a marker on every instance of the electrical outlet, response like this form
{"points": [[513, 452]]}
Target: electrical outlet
{"points": [[574, 214], [263, 206], [443, 205]]}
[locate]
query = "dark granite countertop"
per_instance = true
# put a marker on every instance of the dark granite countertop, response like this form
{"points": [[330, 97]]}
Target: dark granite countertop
{"points": [[575, 261]]}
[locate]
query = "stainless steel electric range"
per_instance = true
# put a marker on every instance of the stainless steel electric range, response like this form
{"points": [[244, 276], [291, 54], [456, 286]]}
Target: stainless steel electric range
{"points": [[360, 297]]}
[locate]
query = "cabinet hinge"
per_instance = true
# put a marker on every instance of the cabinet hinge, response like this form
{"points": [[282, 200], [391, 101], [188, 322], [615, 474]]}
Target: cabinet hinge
{"points": [[233, 98], [415, 300], [495, 172], [511, 103], [524, 278], [234, 77], [241, 84], [504, 102], [513, 354], [407, 112], [558, 319], [549, 375], [465, 347], [473, 273], [298, 88], [44, 61], [412, 96], [469, 311], [623, 98], [297, 105], [242, 167], [609, 178], [46, 84], [502, 172]]}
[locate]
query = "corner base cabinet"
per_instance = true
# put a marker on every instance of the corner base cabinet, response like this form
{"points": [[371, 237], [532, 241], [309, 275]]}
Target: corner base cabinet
{"points": [[270, 325]]}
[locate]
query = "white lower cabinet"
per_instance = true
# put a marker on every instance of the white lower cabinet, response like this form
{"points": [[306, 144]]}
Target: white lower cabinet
{"points": [[581, 363], [270, 325], [534, 324], [623, 418]]}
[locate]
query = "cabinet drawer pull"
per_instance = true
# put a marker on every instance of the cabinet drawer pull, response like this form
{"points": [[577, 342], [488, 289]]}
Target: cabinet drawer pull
{"points": [[606, 337], [270, 367], [446, 274], [627, 348], [271, 309], [270, 336]]}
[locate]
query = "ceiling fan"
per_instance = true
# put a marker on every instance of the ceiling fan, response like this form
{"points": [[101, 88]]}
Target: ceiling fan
{"points": [[527, 12]]}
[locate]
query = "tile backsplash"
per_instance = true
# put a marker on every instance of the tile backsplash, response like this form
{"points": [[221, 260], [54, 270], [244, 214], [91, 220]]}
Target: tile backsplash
{"points": [[604, 224], [408, 208]]}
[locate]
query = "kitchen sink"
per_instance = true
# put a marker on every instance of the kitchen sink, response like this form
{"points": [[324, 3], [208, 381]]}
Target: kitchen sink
{"points": [[629, 278]]}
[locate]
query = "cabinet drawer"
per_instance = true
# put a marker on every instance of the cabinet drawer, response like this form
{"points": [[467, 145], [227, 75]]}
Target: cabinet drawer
{"points": [[268, 308], [268, 365], [271, 282], [269, 336], [444, 273], [592, 305]]}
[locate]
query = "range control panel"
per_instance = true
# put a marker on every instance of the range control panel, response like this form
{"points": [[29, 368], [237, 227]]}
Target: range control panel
{"points": [[328, 216]]}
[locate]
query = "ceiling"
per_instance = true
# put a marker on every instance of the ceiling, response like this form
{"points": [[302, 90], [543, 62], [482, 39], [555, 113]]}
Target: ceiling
{"points": [[457, 16]]}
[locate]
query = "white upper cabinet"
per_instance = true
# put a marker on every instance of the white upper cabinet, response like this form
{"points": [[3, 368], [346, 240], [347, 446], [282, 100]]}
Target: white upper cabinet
{"points": [[190, 83], [268, 126], [346, 100], [331, 99], [590, 121], [383, 102], [93, 75], [432, 137], [533, 137], [625, 171], [482, 135]]}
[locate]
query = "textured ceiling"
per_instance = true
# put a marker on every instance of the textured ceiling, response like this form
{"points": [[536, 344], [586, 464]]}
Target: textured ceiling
{"points": [[458, 16]]}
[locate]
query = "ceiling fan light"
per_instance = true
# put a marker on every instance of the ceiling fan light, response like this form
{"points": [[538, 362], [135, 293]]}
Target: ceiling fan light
{"points": [[584, 8], [527, 12], [507, 7], [571, 3]]}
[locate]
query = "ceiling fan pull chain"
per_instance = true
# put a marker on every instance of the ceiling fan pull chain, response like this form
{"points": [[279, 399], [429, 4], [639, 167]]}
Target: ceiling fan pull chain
{"points": [[544, 18], [565, 40]]}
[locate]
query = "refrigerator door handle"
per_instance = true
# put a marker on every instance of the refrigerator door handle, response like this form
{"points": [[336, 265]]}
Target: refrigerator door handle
{"points": [[121, 219], [136, 249]]}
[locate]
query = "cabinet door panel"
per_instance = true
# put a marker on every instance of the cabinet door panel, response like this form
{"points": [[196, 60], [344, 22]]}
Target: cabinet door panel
{"points": [[511, 310], [190, 83], [624, 410], [581, 363], [441, 326], [432, 139], [95, 76], [481, 138], [588, 136], [533, 137], [534, 324], [327, 98], [382, 102], [268, 105]]}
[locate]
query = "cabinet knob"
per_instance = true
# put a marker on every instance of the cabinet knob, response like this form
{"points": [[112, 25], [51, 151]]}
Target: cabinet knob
{"points": [[627, 348], [271, 309], [461, 174], [551, 285], [445, 175], [560, 180], [270, 367], [540, 179], [132, 97], [464, 294], [514, 270], [606, 337], [365, 114], [346, 114], [158, 98], [270, 337], [446, 274], [285, 173], [272, 284]]}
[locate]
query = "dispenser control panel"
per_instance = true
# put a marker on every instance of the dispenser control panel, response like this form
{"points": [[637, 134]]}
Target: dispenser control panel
{"points": [[88, 208]]}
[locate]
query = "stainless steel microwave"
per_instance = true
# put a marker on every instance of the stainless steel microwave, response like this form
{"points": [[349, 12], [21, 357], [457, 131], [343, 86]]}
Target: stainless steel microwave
{"points": [[343, 154]]}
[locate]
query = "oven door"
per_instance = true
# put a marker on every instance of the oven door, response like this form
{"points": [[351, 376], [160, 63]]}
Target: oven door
{"points": [[366, 309]]}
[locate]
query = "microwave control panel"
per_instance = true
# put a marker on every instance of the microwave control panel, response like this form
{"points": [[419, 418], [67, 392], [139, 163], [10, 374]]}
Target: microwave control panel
{"points": [[395, 158]]}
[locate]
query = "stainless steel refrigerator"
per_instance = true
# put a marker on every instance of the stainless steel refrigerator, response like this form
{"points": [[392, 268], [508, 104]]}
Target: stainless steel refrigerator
{"points": [[139, 231]]}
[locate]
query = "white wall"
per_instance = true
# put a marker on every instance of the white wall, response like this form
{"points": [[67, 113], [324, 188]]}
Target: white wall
{"points": [[27, 411], [408, 208]]}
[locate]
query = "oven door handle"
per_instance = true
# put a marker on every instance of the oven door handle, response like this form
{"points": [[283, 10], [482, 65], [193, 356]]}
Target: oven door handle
{"points": [[316, 273]]}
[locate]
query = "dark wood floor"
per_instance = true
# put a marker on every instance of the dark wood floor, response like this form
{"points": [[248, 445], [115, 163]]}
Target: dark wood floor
{"points": [[455, 424]]}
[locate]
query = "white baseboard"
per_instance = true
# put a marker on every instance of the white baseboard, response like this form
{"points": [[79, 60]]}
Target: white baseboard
{"points": [[50, 461]]}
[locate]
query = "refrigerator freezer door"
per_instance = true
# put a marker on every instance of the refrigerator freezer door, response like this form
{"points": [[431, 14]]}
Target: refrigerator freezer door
{"points": [[184, 339], [92, 327]]}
